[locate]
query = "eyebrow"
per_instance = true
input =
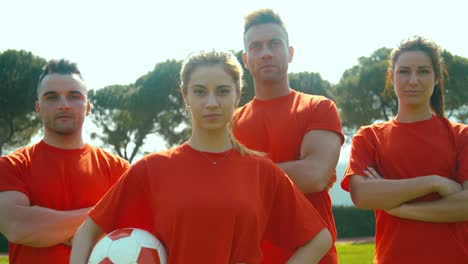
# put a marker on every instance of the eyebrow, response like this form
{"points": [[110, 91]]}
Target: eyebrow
{"points": [[55, 93], [217, 87], [419, 67]]}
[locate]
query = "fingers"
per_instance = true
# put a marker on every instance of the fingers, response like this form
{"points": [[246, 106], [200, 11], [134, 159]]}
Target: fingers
{"points": [[372, 174]]}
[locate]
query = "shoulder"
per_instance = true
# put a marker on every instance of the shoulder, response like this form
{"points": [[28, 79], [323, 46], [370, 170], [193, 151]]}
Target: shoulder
{"points": [[104, 154], [163, 156], [242, 109], [372, 132], [313, 99], [458, 128], [21, 155]]}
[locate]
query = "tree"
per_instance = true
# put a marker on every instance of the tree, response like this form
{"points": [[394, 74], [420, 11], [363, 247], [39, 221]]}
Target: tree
{"points": [[359, 94], [19, 73], [159, 96], [120, 129], [456, 93], [127, 114], [310, 83]]}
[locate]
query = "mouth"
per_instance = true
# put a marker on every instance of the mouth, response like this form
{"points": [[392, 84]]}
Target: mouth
{"points": [[412, 92], [267, 66], [212, 116], [63, 117]]}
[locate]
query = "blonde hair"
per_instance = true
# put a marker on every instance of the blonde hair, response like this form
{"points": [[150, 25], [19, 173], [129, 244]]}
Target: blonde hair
{"points": [[232, 67]]}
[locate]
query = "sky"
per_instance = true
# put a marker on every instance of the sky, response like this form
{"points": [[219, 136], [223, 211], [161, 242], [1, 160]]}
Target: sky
{"points": [[116, 42]]}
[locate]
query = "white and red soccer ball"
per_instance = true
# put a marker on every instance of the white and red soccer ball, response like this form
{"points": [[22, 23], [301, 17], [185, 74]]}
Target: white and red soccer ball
{"points": [[128, 246]]}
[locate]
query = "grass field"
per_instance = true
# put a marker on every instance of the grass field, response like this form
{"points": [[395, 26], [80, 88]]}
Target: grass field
{"points": [[355, 253], [347, 253]]}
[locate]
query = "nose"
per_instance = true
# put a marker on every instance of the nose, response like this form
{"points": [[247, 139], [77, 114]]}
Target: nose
{"points": [[266, 53], [211, 100], [63, 103], [413, 80]]}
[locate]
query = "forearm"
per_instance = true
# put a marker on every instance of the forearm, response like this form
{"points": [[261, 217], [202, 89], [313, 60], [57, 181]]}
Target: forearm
{"points": [[309, 175], [314, 250], [84, 240], [386, 194], [449, 209], [43, 227]]}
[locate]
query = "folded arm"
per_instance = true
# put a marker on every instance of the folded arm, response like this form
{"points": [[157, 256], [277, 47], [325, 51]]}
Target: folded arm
{"points": [[374, 192], [452, 208], [36, 226], [320, 150]]}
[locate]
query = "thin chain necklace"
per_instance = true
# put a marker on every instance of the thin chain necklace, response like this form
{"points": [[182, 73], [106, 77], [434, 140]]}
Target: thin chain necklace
{"points": [[214, 162]]}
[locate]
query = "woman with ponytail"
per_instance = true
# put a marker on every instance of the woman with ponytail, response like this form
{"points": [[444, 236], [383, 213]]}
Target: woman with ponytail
{"points": [[209, 200], [413, 169]]}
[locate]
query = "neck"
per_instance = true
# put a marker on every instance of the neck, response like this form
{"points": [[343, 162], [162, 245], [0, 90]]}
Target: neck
{"points": [[271, 90], [69, 141], [210, 141], [413, 114]]}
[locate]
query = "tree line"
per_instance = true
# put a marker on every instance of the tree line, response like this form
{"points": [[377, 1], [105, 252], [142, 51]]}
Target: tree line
{"points": [[128, 114]]}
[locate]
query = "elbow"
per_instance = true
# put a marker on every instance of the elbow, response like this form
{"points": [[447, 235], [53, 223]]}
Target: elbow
{"points": [[315, 186], [360, 201], [15, 235]]}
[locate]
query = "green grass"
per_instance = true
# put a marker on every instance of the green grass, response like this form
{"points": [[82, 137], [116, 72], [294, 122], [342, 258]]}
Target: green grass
{"points": [[347, 254], [355, 253]]}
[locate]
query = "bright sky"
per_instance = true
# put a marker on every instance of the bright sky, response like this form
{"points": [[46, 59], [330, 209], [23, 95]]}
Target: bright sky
{"points": [[115, 42]]}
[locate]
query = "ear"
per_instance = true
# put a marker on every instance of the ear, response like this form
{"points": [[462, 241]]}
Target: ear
{"points": [[291, 53], [244, 60], [38, 109], [88, 108]]}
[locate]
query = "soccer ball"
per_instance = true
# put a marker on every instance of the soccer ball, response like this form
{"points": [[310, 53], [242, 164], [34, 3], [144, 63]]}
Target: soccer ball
{"points": [[128, 246]]}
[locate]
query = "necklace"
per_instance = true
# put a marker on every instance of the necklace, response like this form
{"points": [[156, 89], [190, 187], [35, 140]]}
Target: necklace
{"points": [[214, 162]]}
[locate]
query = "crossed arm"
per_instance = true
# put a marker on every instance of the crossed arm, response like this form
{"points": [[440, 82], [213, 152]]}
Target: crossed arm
{"points": [[374, 192], [320, 150], [452, 208], [36, 226]]}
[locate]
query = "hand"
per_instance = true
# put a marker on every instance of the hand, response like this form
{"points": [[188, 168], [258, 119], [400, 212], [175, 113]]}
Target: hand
{"points": [[372, 174], [68, 242], [445, 186]]}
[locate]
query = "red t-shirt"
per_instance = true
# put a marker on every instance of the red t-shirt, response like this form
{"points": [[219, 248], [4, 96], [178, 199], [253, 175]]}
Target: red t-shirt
{"points": [[57, 179], [406, 150], [207, 213], [277, 127]]}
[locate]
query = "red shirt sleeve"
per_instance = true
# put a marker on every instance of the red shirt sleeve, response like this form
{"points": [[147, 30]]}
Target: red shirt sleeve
{"points": [[462, 155], [324, 116], [361, 156], [126, 203], [293, 221], [11, 173]]}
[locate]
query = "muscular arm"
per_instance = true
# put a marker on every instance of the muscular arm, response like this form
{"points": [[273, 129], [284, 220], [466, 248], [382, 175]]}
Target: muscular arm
{"points": [[320, 150], [314, 250], [36, 226], [84, 240], [452, 208]]}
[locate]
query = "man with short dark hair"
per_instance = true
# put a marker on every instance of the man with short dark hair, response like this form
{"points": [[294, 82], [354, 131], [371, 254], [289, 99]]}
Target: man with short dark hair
{"points": [[47, 188], [300, 132]]}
